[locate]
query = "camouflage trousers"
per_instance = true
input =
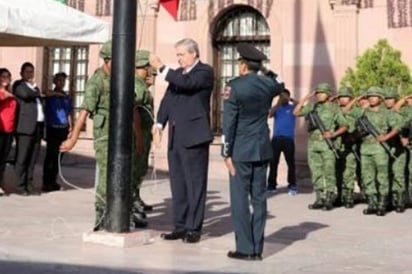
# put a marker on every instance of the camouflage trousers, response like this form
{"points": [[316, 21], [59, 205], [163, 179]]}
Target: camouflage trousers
{"points": [[397, 168], [140, 162], [322, 167], [101, 148], [345, 174], [375, 177]]}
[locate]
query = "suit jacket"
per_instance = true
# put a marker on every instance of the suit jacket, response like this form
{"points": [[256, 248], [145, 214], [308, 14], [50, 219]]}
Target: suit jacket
{"points": [[247, 100], [26, 117], [186, 105]]}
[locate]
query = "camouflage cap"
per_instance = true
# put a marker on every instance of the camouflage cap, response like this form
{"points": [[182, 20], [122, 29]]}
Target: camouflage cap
{"points": [[106, 50], [325, 88], [345, 92], [390, 92], [142, 58], [375, 91]]}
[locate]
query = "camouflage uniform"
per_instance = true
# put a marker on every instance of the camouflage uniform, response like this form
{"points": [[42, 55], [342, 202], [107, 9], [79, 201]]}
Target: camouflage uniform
{"points": [[144, 102], [346, 164], [96, 102], [374, 158], [321, 159], [406, 113], [397, 166]]}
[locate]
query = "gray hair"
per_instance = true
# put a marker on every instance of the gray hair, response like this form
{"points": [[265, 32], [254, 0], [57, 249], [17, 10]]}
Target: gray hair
{"points": [[190, 44]]}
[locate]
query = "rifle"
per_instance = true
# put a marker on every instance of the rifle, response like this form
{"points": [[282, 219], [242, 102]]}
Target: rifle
{"points": [[315, 120], [369, 128]]}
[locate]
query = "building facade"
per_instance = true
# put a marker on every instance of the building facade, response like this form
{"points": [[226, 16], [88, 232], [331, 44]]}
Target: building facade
{"points": [[306, 41]]}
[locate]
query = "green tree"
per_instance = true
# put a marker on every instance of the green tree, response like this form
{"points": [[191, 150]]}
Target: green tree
{"points": [[379, 66]]}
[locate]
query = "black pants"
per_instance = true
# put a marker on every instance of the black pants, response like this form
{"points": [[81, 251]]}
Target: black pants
{"points": [[27, 151], [54, 138], [188, 177], [287, 146], [6, 140]]}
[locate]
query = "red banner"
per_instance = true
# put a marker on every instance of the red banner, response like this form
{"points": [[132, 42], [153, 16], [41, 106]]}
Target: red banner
{"points": [[172, 7]]}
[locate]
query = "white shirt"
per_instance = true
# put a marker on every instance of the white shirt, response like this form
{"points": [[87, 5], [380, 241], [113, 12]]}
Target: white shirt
{"points": [[40, 113]]}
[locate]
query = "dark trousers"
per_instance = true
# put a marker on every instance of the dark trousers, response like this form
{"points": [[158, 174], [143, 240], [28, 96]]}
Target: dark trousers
{"points": [[287, 146], [27, 151], [188, 169], [54, 138], [249, 180], [6, 140]]}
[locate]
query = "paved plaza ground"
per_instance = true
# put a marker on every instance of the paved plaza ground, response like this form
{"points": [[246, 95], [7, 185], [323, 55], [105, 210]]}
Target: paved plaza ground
{"points": [[43, 234]]}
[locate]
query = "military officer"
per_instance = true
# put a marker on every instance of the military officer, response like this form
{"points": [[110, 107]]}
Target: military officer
{"points": [[246, 149], [322, 159], [396, 165], [143, 123], [374, 157]]}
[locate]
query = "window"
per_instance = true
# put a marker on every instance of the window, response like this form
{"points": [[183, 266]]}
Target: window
{"points": [[103, 7], [240, 24], [73, 61]]}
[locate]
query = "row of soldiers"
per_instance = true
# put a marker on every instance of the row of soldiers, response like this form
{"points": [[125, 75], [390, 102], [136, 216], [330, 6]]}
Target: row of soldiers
{"points": [[364, 137]]}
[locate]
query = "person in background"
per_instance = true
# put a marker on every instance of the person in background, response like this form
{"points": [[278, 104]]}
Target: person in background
{"points": [[283, 140], [8, 107], [58, 107], [29, 128]]}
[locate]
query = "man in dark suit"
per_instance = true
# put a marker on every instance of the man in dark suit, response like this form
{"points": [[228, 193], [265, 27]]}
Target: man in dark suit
{"points": [[29, 129], [185, 107], [247, 149]]}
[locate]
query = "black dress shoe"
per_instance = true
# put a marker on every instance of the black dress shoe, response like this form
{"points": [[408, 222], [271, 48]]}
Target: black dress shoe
{"points": [[51, 187], [192, 237], [174, 235], [23, 193], [241, 256]]}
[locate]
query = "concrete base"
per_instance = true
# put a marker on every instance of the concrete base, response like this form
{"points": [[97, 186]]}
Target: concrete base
{"points": [[131, 239]]}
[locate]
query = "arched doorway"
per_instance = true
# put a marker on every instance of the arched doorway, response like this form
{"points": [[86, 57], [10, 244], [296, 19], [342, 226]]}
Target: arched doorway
{"points": [[238, 24]]}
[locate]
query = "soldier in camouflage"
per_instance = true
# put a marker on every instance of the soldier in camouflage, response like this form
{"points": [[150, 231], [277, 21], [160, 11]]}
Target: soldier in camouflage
{"points": [[96, 105], [374, 158], [321, 158], [143, 135], [346, 164], [404, 108], [396, 165]]}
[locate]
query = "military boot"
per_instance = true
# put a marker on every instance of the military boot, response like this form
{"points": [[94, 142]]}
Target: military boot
{"points": [[140, 203], [99, 221], [381, 206], [348, 200], [319, 202], [398, 201], [372, 205], [137, 221], [329, 199]]}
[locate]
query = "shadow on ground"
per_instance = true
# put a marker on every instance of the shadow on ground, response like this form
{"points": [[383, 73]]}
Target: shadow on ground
{"points": [[11, 267], [288, 235]]}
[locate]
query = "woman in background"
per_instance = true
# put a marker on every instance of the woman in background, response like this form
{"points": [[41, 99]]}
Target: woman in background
{"points": [[8, 107]]}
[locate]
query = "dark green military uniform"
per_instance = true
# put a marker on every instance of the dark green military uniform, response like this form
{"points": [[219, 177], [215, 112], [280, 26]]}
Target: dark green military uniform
{"points": [[397, 165], [96, 102], [374, 158], [322, 160], [346, 164], [247, 100]]}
